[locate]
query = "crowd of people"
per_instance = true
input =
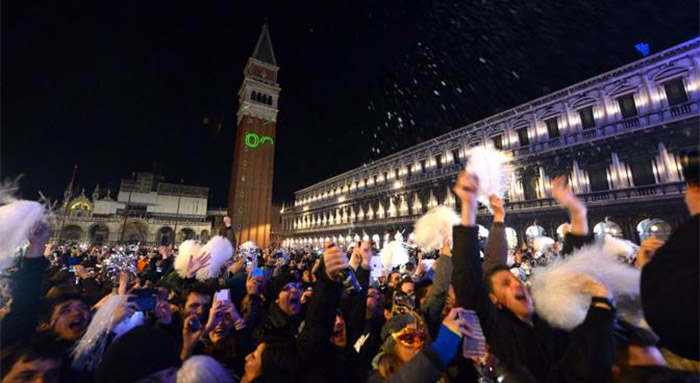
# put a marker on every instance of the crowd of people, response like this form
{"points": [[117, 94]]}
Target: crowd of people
{"points": [[305, 315]]}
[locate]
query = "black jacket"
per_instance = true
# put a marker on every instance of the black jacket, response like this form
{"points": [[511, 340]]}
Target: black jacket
{"points": [[21, 322], [671, 291], [584, 355]]}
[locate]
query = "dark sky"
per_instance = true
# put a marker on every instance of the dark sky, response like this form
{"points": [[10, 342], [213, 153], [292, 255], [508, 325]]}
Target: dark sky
{"points": [[116, 87]]}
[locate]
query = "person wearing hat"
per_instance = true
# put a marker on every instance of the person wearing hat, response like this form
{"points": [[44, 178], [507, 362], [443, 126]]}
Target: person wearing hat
{"points": [[283, 315], [144, 354]]}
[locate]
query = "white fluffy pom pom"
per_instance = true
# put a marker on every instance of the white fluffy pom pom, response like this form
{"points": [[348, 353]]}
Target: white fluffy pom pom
{"points": [[184, 251], [221, 251], [490, 166], [540, 244], [557, 289], [17, 220], [620, 248], [436, 223], [393, 254]]}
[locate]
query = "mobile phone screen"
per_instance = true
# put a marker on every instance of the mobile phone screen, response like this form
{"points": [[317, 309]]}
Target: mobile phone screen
{"points": [[222, 295], [144, 298]]}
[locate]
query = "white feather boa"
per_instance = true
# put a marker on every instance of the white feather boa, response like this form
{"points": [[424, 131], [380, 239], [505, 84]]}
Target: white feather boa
{"points": [[431, 227], [88, 352], [557, 289], [17, 220], [393, 254], [490, 166]]}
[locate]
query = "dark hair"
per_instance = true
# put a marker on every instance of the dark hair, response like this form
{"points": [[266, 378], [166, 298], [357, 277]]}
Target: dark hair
{"points": [[690, 162], [280, 362], [197, 288], [489, 274], [422, 288], [41, 347], [55, 297]]}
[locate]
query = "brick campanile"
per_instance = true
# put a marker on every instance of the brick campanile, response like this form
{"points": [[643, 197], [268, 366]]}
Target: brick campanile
{"points": [[250, 194]]}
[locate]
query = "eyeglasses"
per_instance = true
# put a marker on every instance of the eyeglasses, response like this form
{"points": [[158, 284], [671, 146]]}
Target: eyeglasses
{"points": [[292, 285], [410, 337]]}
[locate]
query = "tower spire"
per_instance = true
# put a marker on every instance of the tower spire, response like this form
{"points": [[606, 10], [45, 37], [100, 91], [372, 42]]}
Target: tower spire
{"points": [[263, 49]]}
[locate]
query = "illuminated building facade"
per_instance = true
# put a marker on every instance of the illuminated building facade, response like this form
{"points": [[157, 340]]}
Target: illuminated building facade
{"points": [[250, 194], [617, 136], [146, 210]]}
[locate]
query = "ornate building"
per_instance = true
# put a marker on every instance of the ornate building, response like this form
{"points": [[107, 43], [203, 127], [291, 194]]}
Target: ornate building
{"points": [[250, 194], [146, 210], [617, 136]]}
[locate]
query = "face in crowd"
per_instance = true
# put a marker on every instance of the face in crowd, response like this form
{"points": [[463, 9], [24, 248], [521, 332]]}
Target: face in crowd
{"points": [[509, 292], [69, 319], [409, 341], [37, 370], [289, 299], [339, 337], [197, 304], [222, 329], [375, 302], [253, 364], [394, 279], [408, 287]]}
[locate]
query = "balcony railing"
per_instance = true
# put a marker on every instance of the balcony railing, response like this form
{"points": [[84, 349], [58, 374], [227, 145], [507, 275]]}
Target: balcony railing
{"points": [[650, 192], [630, 125]]}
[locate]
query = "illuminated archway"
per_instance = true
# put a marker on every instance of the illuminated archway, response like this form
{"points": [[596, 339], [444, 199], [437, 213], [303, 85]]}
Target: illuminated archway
{"points": [[607, 227]]}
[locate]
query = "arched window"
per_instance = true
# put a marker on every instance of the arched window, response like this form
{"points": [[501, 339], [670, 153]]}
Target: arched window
{"points": [[654, 226], [264, 99], [254, 95], [269, 100], [607, 227]]}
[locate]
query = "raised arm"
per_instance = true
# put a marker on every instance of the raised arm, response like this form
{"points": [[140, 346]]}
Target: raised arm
{"points": [[320, 315], [471, 291], [19, 324], [496, 252], [441, 284], [579, 235], [358, 302]]}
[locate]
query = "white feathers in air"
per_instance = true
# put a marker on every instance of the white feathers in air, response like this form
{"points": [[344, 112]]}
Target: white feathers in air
{"points": [[88, 352], [17, 220], [202, 369], [620, 248], [540, 244], [558, 288], [221, 251], [490, 166], [185, 250], [393, 254], [433, 226]]}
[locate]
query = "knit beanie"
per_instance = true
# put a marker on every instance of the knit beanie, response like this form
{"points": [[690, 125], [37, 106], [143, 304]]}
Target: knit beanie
{"points": [[137, 354]]}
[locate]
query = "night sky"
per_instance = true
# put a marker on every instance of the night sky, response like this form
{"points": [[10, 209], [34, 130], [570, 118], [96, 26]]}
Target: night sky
{"points": [[124, 86]]}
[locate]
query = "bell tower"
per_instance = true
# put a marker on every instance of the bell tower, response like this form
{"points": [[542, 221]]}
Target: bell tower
{"points": [[250, 194]]}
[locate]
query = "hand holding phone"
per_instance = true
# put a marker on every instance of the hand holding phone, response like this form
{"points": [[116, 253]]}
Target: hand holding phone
{"points": [[145, 299], [222, 295]]}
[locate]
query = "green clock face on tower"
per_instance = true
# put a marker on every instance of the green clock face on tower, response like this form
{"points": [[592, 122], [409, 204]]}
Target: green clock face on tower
{"points": [[253, 140]]}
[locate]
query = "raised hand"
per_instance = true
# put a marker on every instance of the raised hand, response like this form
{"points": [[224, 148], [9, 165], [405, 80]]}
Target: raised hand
{"points": [[497, 207], [38, 238], [124, 310], [457, 322], [365, 254], [252, 285], [163, 312], [466, 188], [238, 266], [227, 221], [335, 260], [197, 263], [562, 193], [647, 251]]}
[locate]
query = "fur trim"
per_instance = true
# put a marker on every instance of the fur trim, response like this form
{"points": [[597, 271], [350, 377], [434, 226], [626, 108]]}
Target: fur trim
{"points": [[17, 220], [393, 254], [490, 166], [184, 251], [221, 252], [557, 289], [431, 227]]}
